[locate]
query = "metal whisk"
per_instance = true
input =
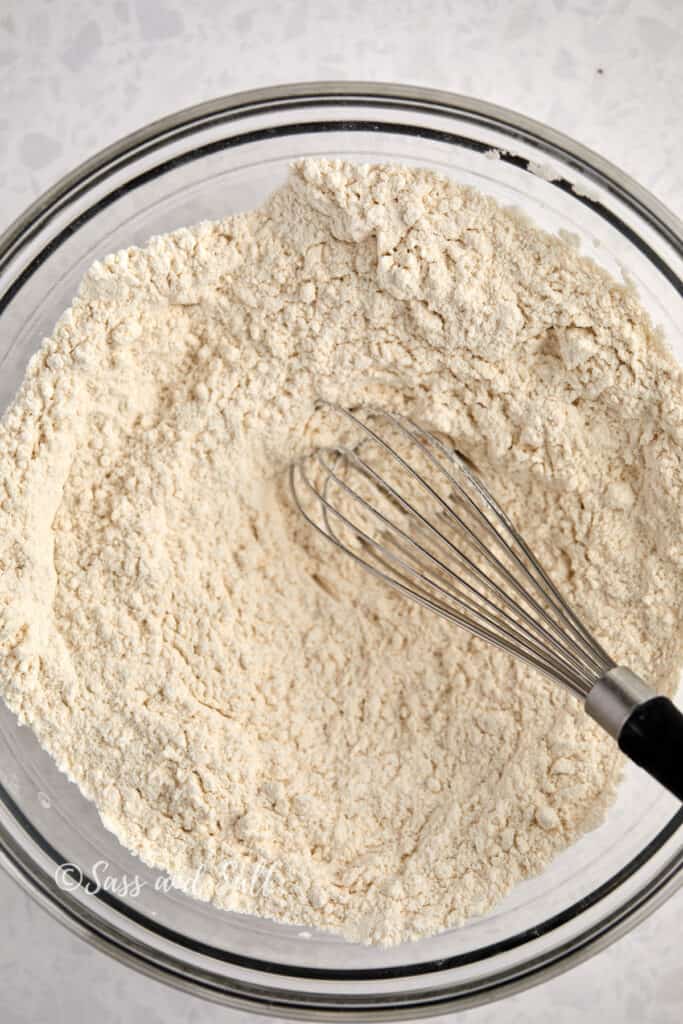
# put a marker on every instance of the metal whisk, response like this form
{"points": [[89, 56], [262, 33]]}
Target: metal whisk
{"points": [[409, 509]]}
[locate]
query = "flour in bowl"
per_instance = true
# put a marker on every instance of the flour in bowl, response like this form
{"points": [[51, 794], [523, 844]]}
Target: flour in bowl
{"points": [[225, 687]]}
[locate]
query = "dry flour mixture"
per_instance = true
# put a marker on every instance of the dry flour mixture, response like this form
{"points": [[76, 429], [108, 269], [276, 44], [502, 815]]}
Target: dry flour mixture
{"points": [[220, 683]]}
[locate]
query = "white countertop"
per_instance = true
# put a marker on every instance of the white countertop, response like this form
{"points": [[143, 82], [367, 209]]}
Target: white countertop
{"points": [[77, 74]]}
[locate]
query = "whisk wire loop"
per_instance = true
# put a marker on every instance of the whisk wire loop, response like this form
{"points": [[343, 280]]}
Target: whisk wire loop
{"points": [[473, 568]]}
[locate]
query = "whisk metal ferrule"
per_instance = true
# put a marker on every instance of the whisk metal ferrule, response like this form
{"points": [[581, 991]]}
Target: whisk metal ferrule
{"points": [[615, 696]]}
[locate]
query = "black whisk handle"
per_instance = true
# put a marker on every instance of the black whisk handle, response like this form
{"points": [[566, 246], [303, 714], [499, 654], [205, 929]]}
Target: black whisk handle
{"points": [[652, 736], [648, 728]]}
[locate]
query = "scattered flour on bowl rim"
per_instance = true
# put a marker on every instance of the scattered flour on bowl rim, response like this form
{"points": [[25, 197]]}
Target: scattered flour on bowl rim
{"points": [[224, 687]]}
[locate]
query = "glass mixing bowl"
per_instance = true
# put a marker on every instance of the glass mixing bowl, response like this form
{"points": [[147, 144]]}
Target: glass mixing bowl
{"points": [[220, 158]]}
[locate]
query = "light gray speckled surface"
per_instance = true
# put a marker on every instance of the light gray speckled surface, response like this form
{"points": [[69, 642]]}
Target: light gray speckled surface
{"points": [[76, 75]]}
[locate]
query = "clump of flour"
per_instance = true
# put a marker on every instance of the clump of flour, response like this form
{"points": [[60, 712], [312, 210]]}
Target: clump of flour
{"points": [[220, 683]]}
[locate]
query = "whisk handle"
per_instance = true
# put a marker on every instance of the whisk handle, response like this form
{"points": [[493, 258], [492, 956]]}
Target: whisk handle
{"points": [[652, 736], [648, 728]]}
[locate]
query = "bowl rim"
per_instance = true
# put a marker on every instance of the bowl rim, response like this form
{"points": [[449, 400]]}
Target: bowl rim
{"points": [[163, 966], [250, 100]]}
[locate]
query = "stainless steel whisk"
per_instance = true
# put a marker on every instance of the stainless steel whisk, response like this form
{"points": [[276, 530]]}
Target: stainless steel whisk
{"points": [[409, 509]]}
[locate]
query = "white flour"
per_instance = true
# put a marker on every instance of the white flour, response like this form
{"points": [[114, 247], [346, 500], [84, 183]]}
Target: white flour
{"points": [[220, 683]]}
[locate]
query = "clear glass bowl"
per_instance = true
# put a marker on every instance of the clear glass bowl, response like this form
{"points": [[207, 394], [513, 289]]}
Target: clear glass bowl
{"points": [[220, 158]]}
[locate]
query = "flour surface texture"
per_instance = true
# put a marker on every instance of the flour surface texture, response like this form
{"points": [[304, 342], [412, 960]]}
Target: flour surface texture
{"points": [[219, 681]]}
